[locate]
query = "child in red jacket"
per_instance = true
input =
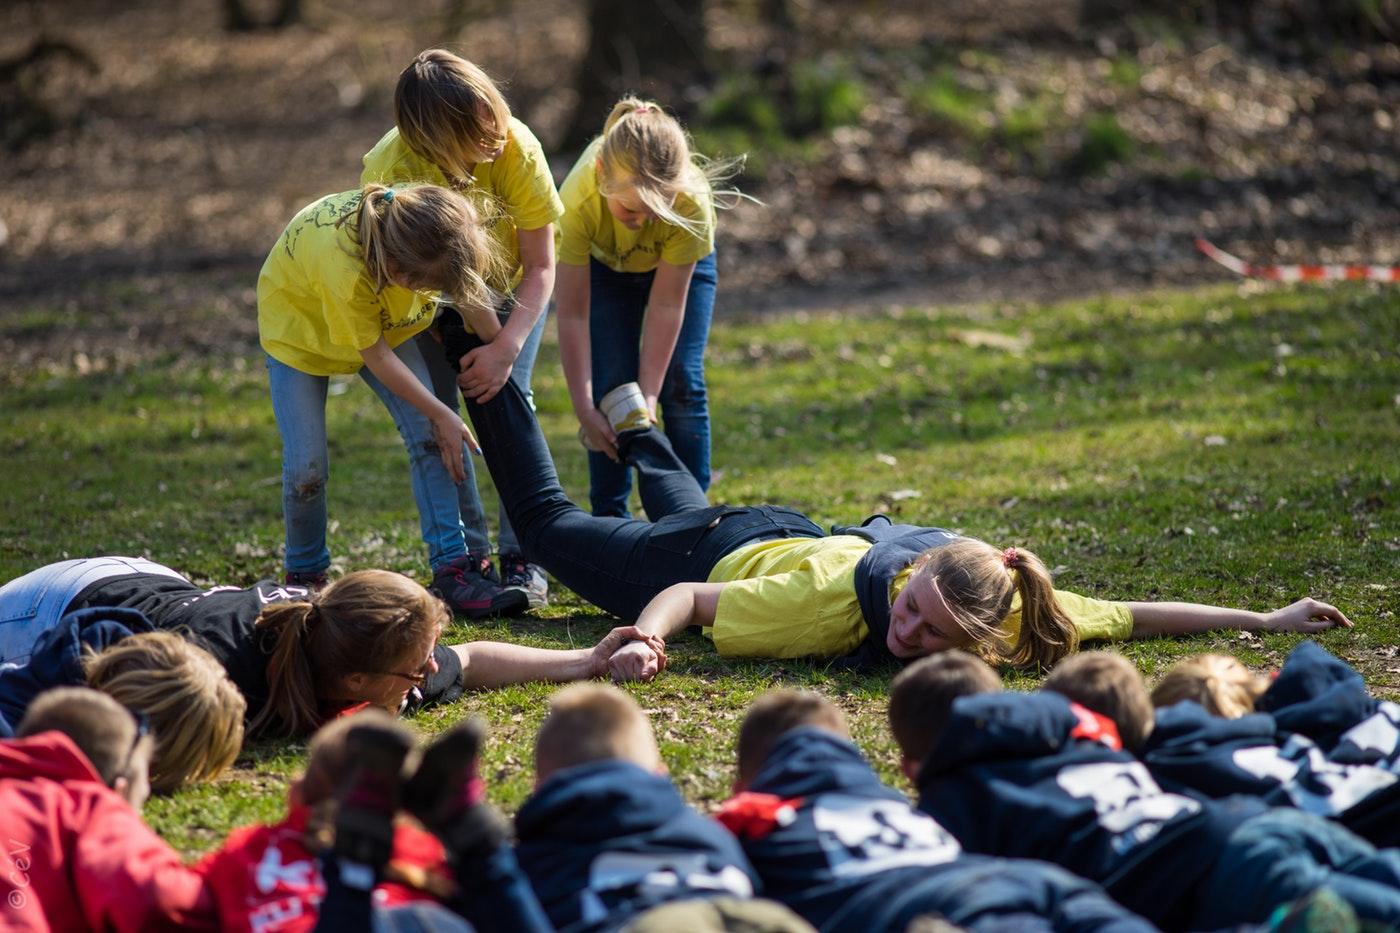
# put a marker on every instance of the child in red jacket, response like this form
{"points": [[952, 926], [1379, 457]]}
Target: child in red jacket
{"points": [[268, 878], [76, 855]]}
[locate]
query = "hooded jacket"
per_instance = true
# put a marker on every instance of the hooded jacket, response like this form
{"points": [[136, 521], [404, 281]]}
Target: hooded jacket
{"points": [[1320, 696], [829, 839], [76, 856], [57, 660], [604, 841], [1036, 776], [265, 879]]}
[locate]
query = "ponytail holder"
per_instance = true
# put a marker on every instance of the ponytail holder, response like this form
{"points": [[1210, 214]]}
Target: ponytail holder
{"points": [[388, 196], [1008, 558], [313, 619]]}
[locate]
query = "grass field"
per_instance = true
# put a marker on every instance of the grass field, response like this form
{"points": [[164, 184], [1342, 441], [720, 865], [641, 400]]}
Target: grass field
{"points": [[1231, 445]]}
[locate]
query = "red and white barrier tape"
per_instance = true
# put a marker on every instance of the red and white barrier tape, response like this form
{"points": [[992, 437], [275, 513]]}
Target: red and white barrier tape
{"points": [[1299, 273]]}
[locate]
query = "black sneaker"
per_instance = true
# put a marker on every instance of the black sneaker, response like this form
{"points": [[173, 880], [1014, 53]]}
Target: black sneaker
{"points": [[313, 580], [445, 794], [470, 587], [518, 572], [369, 795]]}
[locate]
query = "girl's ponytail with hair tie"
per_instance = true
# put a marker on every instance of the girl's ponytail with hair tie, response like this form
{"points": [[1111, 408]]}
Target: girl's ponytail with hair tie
{"points": [[1008, 558], [311, 620], [388, 196]]}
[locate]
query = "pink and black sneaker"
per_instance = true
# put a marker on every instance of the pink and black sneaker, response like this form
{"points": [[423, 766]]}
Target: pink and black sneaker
{"points": [[470, 587]]}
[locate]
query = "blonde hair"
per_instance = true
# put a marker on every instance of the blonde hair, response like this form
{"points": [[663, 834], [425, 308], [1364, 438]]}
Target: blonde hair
{"points": [[1110, 685], [195, 711], [368, 614], [1219, 682], [593, 722], [774, 715], [645, 149], [98, 725], [430, 234], [979, 581], [450, 112]]}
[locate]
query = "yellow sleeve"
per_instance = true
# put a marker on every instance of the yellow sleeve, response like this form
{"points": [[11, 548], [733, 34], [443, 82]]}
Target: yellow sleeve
{"points": [[1096, 619], [782, 615], [525, 186]]}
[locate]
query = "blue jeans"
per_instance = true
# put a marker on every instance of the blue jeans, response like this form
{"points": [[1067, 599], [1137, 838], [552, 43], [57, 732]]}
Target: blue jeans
{"points": [[299, 403], [444, 383], [1284, 855], [32, 604], [617, 306]]}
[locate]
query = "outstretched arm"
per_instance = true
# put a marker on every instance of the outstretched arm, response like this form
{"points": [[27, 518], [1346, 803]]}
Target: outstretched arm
{"points": [[489, 664], [1306, 615], [673, 610]]}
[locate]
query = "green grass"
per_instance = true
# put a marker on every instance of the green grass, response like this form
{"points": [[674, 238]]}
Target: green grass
{"points": [[1229, 445]]}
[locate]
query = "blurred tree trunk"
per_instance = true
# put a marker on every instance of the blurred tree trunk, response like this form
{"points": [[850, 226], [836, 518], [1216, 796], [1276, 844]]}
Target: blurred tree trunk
{"points": [[651, 47], [238, 18]]}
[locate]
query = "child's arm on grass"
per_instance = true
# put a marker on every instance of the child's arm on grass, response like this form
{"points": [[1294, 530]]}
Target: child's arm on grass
{"points": [[1306, 615], [448, 428], [489, 664], [673, 610]]}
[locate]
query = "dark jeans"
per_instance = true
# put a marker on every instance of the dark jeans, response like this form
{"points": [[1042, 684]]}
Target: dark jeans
{"points": [[617, 309], [1284, 855], [618, 564]]}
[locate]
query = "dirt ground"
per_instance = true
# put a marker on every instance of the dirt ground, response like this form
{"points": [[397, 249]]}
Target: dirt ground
{"points": [[140, 222]]}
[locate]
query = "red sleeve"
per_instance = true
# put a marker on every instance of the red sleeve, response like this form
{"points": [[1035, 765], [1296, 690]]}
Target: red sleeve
{"points": [[128, 878]]}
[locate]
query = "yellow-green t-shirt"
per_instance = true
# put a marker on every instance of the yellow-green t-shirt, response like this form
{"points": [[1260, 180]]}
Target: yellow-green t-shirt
{"points": [[588, 228], [517, 186], [317, 308], [796, 597]]}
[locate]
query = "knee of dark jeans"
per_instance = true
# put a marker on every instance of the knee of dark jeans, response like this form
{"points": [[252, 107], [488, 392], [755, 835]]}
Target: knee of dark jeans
{"points": [[308, 483], [685, 398]]}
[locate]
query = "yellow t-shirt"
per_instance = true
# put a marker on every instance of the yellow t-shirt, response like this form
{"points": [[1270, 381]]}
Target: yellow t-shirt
{"points": [[316, 302], [796, 597], [517, 187], [589, 228]]}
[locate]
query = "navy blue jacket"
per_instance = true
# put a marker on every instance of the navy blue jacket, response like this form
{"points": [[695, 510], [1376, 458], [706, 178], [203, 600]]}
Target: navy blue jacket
{"points": [[847, 848], [1034, 776], [605, 841], [57, 660], [1193, 752], [1322, 697]]}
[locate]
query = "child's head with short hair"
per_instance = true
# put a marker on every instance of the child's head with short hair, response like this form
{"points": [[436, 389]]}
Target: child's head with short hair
{"points": [[373, 619], [646, 162], [1218, 682], [593, 722], [328, 756], [921, 701], [450, 112], [424, 237], [1110, 685], [775, 714], [109, 734], [195, 710]]}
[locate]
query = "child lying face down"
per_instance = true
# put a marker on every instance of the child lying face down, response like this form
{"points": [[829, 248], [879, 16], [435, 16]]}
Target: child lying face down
{"points": [[848, 853], [606, 836], [1208, 740], [1038, 775], [80, 856]]}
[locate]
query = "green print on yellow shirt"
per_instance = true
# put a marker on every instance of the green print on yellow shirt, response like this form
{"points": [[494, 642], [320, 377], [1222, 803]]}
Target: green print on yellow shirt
{"points": [[317, 307]]}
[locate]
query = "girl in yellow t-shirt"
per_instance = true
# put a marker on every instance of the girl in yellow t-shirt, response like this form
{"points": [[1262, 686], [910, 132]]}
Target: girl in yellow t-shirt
{"points": [[767, 581], [454, 128], [637, 287], [350, 282]]}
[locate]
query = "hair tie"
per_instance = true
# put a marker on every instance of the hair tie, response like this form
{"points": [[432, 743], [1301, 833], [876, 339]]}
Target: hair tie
{"points": [[388, 197], [1008, 558], [313, 619]]}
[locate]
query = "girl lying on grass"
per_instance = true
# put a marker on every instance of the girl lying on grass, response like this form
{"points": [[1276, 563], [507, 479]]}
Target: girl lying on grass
{"points": [[298, 656], [766, 581]]}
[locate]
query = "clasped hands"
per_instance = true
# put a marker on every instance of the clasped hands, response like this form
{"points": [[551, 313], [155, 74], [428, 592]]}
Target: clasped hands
{"points": [[628, 653]]}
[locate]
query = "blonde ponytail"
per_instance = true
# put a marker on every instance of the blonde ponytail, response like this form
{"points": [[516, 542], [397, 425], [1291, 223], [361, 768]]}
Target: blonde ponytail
{"points": [[433, 237], [292, 707], [645, 149], [1047, 632]]}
